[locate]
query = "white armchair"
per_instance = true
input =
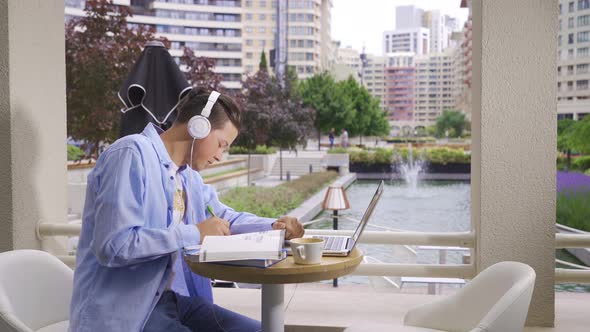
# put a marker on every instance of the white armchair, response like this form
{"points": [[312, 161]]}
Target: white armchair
{"points": [[496, 300], [35, 292]]}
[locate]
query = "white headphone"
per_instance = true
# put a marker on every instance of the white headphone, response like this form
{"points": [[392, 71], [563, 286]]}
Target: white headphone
{"points": [[199, 125]]}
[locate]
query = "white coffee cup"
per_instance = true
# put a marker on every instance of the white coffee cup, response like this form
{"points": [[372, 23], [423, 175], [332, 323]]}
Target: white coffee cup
{"points": [[307, 250]]}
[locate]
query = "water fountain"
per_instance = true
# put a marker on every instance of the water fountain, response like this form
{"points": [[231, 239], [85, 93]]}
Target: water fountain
{"points": [[410, 170]]}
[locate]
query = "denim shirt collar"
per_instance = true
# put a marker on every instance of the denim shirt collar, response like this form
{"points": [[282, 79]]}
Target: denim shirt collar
{"points": [[153, 134]]}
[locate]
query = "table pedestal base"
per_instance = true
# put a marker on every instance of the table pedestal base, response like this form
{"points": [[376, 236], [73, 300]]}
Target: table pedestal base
{"points": [[273, 309]]}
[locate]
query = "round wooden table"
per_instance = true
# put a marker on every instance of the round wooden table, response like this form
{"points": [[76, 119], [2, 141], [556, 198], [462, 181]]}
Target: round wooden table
{"points": [[273, 279]]}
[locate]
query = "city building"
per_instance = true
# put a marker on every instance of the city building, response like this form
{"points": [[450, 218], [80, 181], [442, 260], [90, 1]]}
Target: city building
{"points": [[434, 88], [259, 26], [463, 64], [373, 78], [415, 40], [399, 84], [347, 64], [210, 28], [573, 59]]}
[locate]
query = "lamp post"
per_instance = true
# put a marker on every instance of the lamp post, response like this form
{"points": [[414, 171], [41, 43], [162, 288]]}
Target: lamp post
{"points": [[335, 200]]}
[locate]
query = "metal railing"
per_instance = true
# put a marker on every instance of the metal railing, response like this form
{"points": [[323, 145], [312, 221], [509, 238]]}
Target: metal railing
{"points": [[446, 239]]}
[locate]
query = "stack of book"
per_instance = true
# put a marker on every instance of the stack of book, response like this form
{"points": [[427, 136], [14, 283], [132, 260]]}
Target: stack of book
{"points": [[257, 249]]}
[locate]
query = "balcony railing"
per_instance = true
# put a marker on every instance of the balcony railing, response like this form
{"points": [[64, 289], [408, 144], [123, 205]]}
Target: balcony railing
{"points": [[442, 239]]}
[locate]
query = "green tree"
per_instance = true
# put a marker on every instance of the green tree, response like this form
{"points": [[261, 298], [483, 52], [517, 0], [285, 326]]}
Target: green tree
{"points": [[578, 135], [101, 49], [564, 130], [333, 107], [452, 121], [263, 65]]}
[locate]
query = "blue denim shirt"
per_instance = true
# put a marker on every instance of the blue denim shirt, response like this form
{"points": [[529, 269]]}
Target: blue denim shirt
{"points": [[124, 252]]}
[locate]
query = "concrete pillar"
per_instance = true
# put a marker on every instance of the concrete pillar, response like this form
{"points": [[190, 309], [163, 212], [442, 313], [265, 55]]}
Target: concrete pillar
{"points": [[514, 140], [32, 119]]}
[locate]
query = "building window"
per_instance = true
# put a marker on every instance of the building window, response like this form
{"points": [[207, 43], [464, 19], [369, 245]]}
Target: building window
{"points": [[571, 7], [582, 52], [262, 30], [583, 20], [248, 55], [583, 4], [249, 3], [262, 43], [262, 4], [249, 42], [583, 36], [262, 17], [570, 23], [570, 38], [582, 68], [248, 17]]}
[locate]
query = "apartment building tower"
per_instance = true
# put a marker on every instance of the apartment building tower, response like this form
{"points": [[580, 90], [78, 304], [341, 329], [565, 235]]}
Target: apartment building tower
{"points": [[211, 28], [573, 59]]}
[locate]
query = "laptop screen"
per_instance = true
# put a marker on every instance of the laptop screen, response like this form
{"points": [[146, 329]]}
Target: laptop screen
{"points": [[368, 213]]}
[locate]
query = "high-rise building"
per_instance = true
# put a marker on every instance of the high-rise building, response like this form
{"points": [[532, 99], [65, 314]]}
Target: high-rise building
{"points": [[399, 83], [309, 43], [434, 88], [573, 59], [347, 63], [408, 17], [210, 28], [258, 33], [374, 78], [463, 65], [415, 40], [439, 31]]}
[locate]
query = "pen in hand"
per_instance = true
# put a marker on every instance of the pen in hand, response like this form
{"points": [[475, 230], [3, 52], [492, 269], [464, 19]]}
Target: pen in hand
{"points": [[210, 209]]}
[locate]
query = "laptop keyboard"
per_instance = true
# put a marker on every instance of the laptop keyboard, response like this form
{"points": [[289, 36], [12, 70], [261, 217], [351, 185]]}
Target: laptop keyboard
{"points": [[331, 243]]}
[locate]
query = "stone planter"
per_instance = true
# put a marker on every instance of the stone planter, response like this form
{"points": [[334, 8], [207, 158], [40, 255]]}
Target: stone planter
{"points": [[263, 161], [450, 168], [337, 161]]}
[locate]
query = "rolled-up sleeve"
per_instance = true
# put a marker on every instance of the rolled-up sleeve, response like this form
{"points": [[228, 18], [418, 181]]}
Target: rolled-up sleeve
{"points": [[120, 237]]}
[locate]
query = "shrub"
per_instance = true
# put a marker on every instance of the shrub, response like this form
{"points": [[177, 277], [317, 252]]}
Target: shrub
{"points": [[260, 149], [74, 152], [581, 163], [277, 201], [573, 209], [338, 150], [432, 155]]}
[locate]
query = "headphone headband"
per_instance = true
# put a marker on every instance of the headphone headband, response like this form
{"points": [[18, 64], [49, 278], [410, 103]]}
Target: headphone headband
{"points": [[210, 102]]}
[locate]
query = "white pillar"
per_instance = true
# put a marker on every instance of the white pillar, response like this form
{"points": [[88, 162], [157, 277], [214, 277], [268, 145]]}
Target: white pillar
{"points": [[514, 140], [32, 119]]}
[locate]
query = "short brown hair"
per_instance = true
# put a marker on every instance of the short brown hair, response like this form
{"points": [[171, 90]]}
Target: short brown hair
{"points": [[225, 109]]}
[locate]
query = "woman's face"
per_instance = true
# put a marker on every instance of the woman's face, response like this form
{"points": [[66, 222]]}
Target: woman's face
{"points": [[210, 149]]}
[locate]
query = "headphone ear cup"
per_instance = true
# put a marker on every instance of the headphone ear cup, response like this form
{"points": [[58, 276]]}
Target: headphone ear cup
{"points": [[199, 127]]}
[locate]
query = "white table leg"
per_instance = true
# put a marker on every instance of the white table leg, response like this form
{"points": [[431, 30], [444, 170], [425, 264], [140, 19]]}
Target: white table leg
{"points": [[273, 309]]}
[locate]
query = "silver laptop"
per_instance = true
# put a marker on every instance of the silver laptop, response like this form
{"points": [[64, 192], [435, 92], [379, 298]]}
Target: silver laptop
{"points": [[343, 245]]}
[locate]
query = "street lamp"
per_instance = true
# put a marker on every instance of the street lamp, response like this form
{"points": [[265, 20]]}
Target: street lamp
{"points": [[335, 200]]}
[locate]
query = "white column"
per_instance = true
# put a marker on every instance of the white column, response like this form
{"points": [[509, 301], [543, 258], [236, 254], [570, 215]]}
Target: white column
{"points": [[32, 119], [514, 140]]}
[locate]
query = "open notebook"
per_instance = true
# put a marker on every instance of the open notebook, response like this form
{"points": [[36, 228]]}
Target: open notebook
{"points": [[260, 249]]}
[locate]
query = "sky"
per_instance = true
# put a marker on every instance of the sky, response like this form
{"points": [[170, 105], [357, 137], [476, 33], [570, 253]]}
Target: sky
{"points": [[362, 22]]}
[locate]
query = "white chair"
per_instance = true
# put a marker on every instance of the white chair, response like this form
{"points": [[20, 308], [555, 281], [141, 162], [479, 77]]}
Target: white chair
{"points": [[496, 300], [35, 292]]}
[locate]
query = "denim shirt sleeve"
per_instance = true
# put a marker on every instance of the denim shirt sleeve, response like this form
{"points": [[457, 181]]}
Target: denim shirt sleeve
{"points": [[121, 236], [241, 222]]}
